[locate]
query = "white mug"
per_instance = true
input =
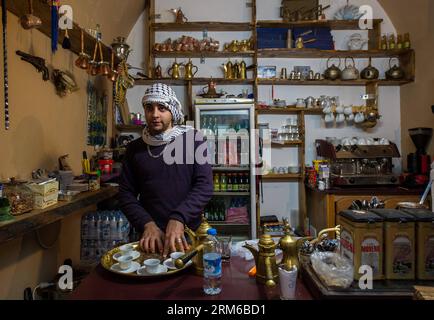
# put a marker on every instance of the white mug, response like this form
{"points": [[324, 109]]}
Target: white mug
{"points": [[340, 109], [340, 118], [360, 117], [348, 110], [329, 118]]}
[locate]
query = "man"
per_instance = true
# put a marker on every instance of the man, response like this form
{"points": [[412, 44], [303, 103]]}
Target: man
{"points": [[171, 196]]}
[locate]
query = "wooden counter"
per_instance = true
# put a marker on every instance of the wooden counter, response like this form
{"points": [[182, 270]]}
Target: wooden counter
{"points": [[323, 206], [236, 285], [38, 218]]}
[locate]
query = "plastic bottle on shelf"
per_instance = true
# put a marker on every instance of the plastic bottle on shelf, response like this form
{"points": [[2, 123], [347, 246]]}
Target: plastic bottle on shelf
{"points": [[212, 264]]}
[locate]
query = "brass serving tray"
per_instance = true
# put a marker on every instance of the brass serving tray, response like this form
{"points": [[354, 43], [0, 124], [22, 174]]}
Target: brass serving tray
{"points": [[107, 262]]}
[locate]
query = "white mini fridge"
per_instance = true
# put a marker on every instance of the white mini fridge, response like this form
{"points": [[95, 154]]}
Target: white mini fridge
{"points": [[228, 125]]}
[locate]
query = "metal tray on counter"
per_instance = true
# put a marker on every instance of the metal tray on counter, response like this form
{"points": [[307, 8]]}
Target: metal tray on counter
{"points": [[108, 262]]}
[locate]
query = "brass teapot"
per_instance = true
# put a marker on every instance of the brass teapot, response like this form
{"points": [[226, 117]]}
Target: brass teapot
{"points": [[265, 260], [174, 70], [189, 67], [242, 70], [198, 239], [332, 72]]}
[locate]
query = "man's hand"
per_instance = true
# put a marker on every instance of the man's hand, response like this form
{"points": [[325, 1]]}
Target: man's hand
{"points": [[152, 238], [175, 239]]}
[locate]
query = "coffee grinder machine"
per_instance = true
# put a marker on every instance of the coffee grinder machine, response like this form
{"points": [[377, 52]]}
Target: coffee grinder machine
{"points": [[419, 163]]}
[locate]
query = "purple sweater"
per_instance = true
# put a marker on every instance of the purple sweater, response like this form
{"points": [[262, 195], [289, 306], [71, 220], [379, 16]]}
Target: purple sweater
{"points": [[151, 190]]}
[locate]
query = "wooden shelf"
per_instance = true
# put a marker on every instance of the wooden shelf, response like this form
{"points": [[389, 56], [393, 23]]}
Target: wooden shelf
{"points": [[194, 81], [204, 54], [36, 219], [168, 81], [288, 110], [333, 24], [129, 127], [316, 53], [231, 169], [231, 194], [203, 25], [275, 144], [339, 83], [221, 81], [281, 177]]}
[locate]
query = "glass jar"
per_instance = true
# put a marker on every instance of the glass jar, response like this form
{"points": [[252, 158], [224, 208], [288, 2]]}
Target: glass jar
{"points": [[20, 196]]}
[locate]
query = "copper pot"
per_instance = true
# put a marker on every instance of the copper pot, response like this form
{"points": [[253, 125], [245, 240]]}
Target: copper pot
{"points": [[93, 68], [113, 76], [82, 61], [104, 67]]}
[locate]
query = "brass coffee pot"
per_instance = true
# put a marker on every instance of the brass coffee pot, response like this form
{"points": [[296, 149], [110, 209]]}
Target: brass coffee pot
{"points": [[174, 70], [189, 67], [198, 239], [228, 71], [265, 260], [289, 246], [157, 72], [242, 70]]}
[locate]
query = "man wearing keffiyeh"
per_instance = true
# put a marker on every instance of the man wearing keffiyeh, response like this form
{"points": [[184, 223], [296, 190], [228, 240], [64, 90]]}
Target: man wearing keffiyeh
{"points": [[161, 199]]}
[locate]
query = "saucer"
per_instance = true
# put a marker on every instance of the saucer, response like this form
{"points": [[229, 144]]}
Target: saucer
{"points": [[134, 254], [133, 268], [169, 264], [143, 272]]}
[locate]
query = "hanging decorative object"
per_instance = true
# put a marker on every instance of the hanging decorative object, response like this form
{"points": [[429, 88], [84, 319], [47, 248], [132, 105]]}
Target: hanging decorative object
{"points": [[5, 64], [30, 21], [123, 83], [54, 24], [66, 44], [64, 82], [96, 116]]}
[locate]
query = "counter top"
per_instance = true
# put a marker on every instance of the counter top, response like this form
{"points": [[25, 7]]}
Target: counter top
{"points": [[38, 218], [236, 285], [373, 191]]}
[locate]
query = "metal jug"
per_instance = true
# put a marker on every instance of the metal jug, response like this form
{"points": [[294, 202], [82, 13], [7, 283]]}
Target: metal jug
{"points": [[350, 72], [236, 70], [333, 72], [395, 72], [121, 48], [189, 67], [242, 70], [228, 70], [370, 73], [158, 72], [198, 239], [265, 260], [174, 70]]}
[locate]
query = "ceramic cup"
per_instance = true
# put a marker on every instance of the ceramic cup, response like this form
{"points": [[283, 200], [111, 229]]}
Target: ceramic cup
{"points": [[340, 118], [176, 255], [348, 110], [125, 261], [384, 142], [346, 141], [151, 265], [327, 110], [329, 118], [340, 109], [362, 142], [369, 141], [126, 249], [359, 118]]}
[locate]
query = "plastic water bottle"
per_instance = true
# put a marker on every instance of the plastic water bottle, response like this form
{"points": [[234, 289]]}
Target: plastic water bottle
{"points": [[106, 227], [212, 264], [113, 227]]}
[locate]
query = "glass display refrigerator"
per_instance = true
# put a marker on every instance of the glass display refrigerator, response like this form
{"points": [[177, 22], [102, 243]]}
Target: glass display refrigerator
{"points": [[228, 125]]}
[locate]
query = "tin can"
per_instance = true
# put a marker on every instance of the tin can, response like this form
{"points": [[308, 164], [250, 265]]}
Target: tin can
{"points": [[425, 242], [362, 241], [399, 231]]}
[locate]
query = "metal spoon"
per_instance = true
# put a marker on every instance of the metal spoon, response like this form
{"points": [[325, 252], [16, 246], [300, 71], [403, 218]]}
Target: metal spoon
{"points": [[425, 194]]}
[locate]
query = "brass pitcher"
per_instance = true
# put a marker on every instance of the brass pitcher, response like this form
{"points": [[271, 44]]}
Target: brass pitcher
{"points": [[242, 70], [228, 70], [265, 260], [198, 239], [289, 246], [158, 72], [189, 67], [174, 70], [236, 70]]}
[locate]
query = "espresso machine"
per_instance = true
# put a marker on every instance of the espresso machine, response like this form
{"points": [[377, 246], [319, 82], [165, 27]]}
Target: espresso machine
{"points": [[360, 165], [419, 162]]}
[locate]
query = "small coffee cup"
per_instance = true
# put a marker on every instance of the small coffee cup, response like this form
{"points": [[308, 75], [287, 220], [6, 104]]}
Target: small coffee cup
{"points": [[348, 110], [359, 118], [151, 265], [175, 256], [125, 261], [340, 118], [340, 109], [350, 117], [329, 118], [384, 142], [126, 249]]}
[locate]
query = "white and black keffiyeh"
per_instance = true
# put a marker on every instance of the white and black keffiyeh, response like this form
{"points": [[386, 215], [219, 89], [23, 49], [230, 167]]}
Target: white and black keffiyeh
{"points": [[164, 95]]}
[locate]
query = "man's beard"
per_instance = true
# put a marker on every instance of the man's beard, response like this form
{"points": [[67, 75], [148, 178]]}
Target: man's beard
{"points": [[155, 132]]}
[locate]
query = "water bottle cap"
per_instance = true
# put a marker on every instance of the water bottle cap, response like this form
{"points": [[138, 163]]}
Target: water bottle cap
{"points": [[212, 232]]}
